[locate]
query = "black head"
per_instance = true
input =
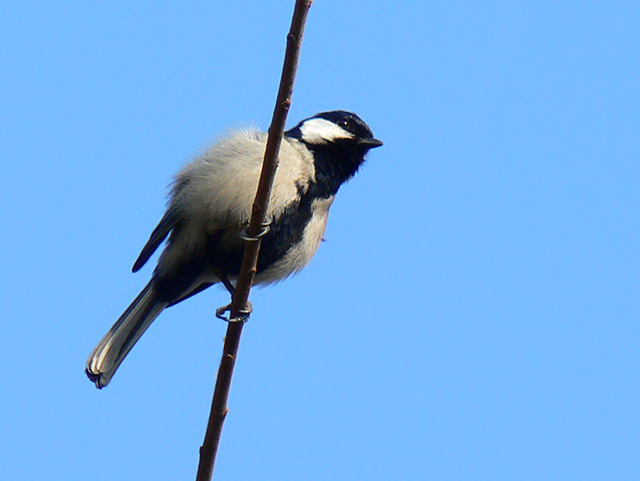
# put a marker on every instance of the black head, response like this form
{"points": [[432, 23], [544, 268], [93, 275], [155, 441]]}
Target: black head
{"points": [[337, 128], [339, 141]]}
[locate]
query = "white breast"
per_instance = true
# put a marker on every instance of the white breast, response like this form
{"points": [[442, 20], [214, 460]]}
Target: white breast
{"points": [[300, 254]]}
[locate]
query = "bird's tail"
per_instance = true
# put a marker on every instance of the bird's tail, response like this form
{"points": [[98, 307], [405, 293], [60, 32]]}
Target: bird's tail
{"points": [[116, 344]]}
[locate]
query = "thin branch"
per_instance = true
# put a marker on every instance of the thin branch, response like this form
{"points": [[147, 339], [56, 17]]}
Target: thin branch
{"points": [[252, 248]]}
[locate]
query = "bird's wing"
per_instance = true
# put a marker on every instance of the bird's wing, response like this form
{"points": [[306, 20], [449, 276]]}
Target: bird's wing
{"points": [[159, 234], [196, 290]]}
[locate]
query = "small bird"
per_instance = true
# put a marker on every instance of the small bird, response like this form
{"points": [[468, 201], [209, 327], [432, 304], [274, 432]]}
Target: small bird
{"points": [[210, 206]]}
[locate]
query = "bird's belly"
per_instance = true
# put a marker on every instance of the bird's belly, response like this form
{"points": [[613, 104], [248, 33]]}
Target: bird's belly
{"points": [[302, 251]]}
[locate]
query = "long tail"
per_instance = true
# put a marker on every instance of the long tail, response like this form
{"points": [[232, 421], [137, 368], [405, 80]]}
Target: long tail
{"points": [[116, 344]]}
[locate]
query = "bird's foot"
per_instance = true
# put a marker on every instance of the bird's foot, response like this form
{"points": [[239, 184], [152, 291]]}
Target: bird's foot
{"points": [[242, 317]]}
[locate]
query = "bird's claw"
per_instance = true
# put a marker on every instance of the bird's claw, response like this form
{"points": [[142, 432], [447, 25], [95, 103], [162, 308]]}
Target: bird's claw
{"points": [[242, 317]]}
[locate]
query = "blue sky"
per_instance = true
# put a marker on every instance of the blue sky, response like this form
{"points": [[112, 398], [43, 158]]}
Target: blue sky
{"points": [[473, 313]]}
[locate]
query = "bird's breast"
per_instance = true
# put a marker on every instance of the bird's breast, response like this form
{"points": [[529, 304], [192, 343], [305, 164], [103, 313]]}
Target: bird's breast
{"points": [[305, 232]]}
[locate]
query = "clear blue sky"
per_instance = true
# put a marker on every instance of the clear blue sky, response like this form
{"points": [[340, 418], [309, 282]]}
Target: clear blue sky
{"points": [[474, 313]]}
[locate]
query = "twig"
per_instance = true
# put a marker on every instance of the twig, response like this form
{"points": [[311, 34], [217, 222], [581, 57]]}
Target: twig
{"points": [[247, 274]]}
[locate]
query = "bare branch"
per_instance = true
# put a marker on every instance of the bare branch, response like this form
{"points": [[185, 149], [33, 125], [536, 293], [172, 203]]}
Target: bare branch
{"points": [[252, 248]]}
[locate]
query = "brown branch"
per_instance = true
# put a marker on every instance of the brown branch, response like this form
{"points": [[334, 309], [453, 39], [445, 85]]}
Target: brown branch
{"points": [[247, 274]]}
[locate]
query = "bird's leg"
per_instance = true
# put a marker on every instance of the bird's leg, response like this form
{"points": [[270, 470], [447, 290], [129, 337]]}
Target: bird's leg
{"points": [[220, 312], [226, 282]]}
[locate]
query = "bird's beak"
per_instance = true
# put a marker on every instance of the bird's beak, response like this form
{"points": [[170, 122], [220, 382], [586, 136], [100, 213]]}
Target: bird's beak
{"points": [[370, 143]]}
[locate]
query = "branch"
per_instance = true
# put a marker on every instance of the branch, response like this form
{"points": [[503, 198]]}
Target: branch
{"points": [[252, 248]]}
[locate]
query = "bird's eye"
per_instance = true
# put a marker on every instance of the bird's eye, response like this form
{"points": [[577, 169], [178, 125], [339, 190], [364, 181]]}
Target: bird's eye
{"points": [[344, 123]]}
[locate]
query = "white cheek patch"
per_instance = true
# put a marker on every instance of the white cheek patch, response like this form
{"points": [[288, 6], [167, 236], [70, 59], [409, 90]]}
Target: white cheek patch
{"points": [[321, 131]]}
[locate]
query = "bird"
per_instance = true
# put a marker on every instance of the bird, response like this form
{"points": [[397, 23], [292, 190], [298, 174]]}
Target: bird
{"points": [[209, 207]]}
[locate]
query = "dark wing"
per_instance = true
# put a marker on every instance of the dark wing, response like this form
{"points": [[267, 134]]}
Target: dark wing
{"points": [[192, 292], [159, 234]]}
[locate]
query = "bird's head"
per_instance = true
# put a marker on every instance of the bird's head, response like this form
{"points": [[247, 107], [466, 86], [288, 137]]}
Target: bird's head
{"points": [[335, 129]]}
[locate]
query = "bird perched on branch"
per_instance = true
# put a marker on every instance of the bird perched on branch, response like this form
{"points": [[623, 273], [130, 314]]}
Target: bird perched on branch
{"points": [[210, 205]]}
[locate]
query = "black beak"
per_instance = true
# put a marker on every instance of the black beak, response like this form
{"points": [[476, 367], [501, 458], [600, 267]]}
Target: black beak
{"points": [[370, 143]]}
